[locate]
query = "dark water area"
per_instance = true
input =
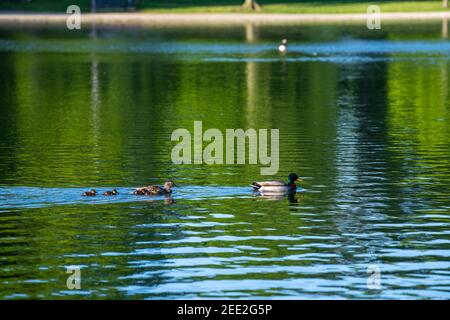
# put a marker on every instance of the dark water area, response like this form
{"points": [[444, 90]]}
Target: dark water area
{"points": [[363, 117]]}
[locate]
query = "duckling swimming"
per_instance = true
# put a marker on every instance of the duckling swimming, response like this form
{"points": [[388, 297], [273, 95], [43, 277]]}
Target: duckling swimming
{"points": [[90, 193], [155, 190], [277, 186], [113, 192], [145, 191]]}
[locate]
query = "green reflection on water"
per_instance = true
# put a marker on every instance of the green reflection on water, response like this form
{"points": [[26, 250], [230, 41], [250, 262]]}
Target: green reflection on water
{"points": [[371, 139]]}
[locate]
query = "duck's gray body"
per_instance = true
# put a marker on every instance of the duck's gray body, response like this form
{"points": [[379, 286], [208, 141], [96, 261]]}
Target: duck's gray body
{"points": [[277, 186], [274, 186]]}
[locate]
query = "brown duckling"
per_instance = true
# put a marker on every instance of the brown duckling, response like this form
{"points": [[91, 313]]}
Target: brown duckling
{"points": [[113, 192], [90, 193]]}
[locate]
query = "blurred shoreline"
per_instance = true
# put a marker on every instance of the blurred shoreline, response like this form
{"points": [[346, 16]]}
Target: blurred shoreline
{"points": [[176, 19]]}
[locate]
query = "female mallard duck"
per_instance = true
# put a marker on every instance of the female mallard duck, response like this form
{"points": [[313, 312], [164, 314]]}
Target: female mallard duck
{"points": [[277, 186], [90, 193], [113, 192], [155, 190]]}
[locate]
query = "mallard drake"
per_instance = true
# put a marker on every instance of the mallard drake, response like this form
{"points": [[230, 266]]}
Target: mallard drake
{"points": [[113, 192], [90, 193], [277, 186], [283, 46], [155, 190]]}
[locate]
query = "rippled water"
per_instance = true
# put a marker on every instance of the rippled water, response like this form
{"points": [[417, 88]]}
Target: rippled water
{"points": [[363, 117]]}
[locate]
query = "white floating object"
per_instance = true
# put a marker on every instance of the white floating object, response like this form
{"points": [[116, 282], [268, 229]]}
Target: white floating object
{"points": [[283, 46]]}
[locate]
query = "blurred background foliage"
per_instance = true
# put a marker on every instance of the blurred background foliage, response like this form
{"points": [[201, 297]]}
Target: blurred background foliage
{"points": [[267, 6]]}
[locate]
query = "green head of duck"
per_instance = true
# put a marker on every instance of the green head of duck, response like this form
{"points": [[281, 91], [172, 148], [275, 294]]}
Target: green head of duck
{"points": [[293, 177]]}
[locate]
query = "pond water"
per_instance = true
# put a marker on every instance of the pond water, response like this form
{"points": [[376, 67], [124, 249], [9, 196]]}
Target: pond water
{"points": [[363, 117]]}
